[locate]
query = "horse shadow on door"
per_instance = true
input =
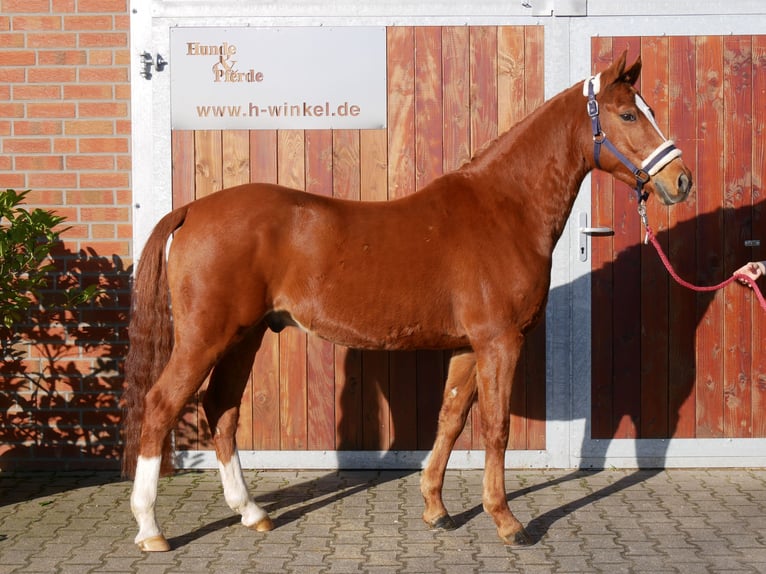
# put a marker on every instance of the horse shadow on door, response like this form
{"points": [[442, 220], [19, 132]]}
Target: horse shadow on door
{"points": [[708, 267]]}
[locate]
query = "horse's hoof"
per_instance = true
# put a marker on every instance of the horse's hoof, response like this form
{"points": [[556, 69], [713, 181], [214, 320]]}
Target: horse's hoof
{"points": [[520, 538], [442, 523], [263, 525], [154, 544]]}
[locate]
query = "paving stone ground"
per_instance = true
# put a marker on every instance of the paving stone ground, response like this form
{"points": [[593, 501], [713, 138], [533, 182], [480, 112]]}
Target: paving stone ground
{"points": [[687, 521]]}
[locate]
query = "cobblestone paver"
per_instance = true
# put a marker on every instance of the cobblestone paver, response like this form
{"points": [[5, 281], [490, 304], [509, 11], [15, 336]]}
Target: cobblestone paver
{"points": [[675, 521]]}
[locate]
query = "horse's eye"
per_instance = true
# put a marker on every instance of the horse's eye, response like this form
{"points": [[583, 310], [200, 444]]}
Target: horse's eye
{"points": [[628, 117]]}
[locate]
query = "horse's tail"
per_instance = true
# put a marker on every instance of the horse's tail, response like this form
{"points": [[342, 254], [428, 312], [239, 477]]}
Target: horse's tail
{"points": [[150, 338]]}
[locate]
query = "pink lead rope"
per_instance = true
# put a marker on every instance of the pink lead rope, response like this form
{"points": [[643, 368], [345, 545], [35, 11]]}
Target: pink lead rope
{"points": [[650, 236]]}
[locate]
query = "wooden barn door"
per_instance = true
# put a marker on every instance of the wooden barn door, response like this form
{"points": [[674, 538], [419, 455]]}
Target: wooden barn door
{"points": [[667, 362], [450, 91]]}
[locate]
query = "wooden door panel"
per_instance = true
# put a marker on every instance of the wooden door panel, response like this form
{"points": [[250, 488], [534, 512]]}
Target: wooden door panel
{"points": [[668, 362], [450, 90]]}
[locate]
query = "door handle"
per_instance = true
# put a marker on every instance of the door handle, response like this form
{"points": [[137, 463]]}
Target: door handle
{"points": [[586, 231], [597, 230]]}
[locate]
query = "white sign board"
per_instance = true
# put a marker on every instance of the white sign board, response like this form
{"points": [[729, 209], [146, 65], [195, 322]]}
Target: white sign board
{"points": [[278, 78]]}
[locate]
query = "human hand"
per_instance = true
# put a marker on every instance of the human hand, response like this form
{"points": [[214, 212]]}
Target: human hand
{"points": [[752, 270]]}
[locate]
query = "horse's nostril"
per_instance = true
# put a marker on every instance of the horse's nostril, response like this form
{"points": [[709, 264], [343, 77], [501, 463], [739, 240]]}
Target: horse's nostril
{"points": [[684, 183]]}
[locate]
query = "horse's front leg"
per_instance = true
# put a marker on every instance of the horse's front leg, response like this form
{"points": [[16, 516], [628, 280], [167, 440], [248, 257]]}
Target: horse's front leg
{"points": [[496, 363], [459, 394]]}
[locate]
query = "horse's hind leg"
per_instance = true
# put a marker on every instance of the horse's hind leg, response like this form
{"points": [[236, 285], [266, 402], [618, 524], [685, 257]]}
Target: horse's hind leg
{"points": [[222, 402], [459, 394], [183, 375]]}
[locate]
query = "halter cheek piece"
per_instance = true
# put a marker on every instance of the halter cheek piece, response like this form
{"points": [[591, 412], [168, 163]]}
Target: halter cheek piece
{"points": [[659, 158]]}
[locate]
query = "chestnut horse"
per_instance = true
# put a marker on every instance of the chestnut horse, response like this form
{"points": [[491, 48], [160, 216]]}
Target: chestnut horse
{"points": [[462, 264]]}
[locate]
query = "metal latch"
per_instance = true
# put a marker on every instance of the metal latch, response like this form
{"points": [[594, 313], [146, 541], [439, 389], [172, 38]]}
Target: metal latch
{"points": [[586, 231], [148, 62]]}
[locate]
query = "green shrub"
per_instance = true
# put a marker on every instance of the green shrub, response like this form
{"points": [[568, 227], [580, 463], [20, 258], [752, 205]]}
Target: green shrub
{"points": [[26, 240]]}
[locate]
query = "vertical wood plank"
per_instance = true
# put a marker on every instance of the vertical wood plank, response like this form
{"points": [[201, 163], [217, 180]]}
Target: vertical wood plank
{"points": [[208, 164], [457, 129], [266, 431], [737, 228], [319, 353], [602, 280], [235, 146], [182, 158], [373, 177], [182, 144], [429, 165], [511, 108], [682, 243], [627, 280], [535, 372], [401, 182], [654, 278], [759, 231], [482, 62], [348, 362], [709, 182], [292, 349]]}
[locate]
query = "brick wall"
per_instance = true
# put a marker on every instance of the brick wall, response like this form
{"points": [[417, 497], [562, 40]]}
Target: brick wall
{"points": [[65, 135]]}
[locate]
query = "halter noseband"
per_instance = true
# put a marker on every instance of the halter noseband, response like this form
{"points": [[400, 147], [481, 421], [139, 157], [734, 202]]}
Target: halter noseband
{"points": [[659, 158]]}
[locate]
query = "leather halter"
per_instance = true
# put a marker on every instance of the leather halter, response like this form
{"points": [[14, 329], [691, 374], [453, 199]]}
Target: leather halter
{"points": [[659, 158]]}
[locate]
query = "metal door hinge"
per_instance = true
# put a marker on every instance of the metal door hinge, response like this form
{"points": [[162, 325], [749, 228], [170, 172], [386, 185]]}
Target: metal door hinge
{"points": [[148, 62]]}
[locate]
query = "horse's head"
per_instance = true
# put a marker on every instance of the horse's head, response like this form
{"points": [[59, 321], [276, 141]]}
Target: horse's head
{"points": [[627, 142]]}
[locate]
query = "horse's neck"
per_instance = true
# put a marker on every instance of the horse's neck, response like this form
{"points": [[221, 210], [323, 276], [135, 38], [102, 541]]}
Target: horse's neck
{"points": [[540, 161]]}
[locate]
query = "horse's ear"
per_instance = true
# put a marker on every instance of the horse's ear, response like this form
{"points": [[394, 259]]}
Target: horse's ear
{"points": [[617, 73], [630, 76]]}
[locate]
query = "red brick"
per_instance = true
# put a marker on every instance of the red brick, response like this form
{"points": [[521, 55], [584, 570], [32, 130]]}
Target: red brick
{"points": [[48, 75], [124, 162], [121, 22], [103, 231], [26, 92], [103, 180], [65, 145], [13, 75], [62, 57], [99, 23], [11, 110], [60, 110], [122, 92], [6, 164], [103, 40], [105, 248], [89, 162], [5, 92], [124, 196], [19, 145], [45, 198], [37, 128], [100, 57], [17, 58], [104, 214], [74, 232], [58, 181], [106, 75], [104, 145], [98, 110], [125, 231], [39, 162], [12, 40], [89, 197], [51, 40], [88, 92], [119, 6], [64, 6], [5, 23], [12, 180], [89, 127], [123, 127], [36, 23], [26, 6]]}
